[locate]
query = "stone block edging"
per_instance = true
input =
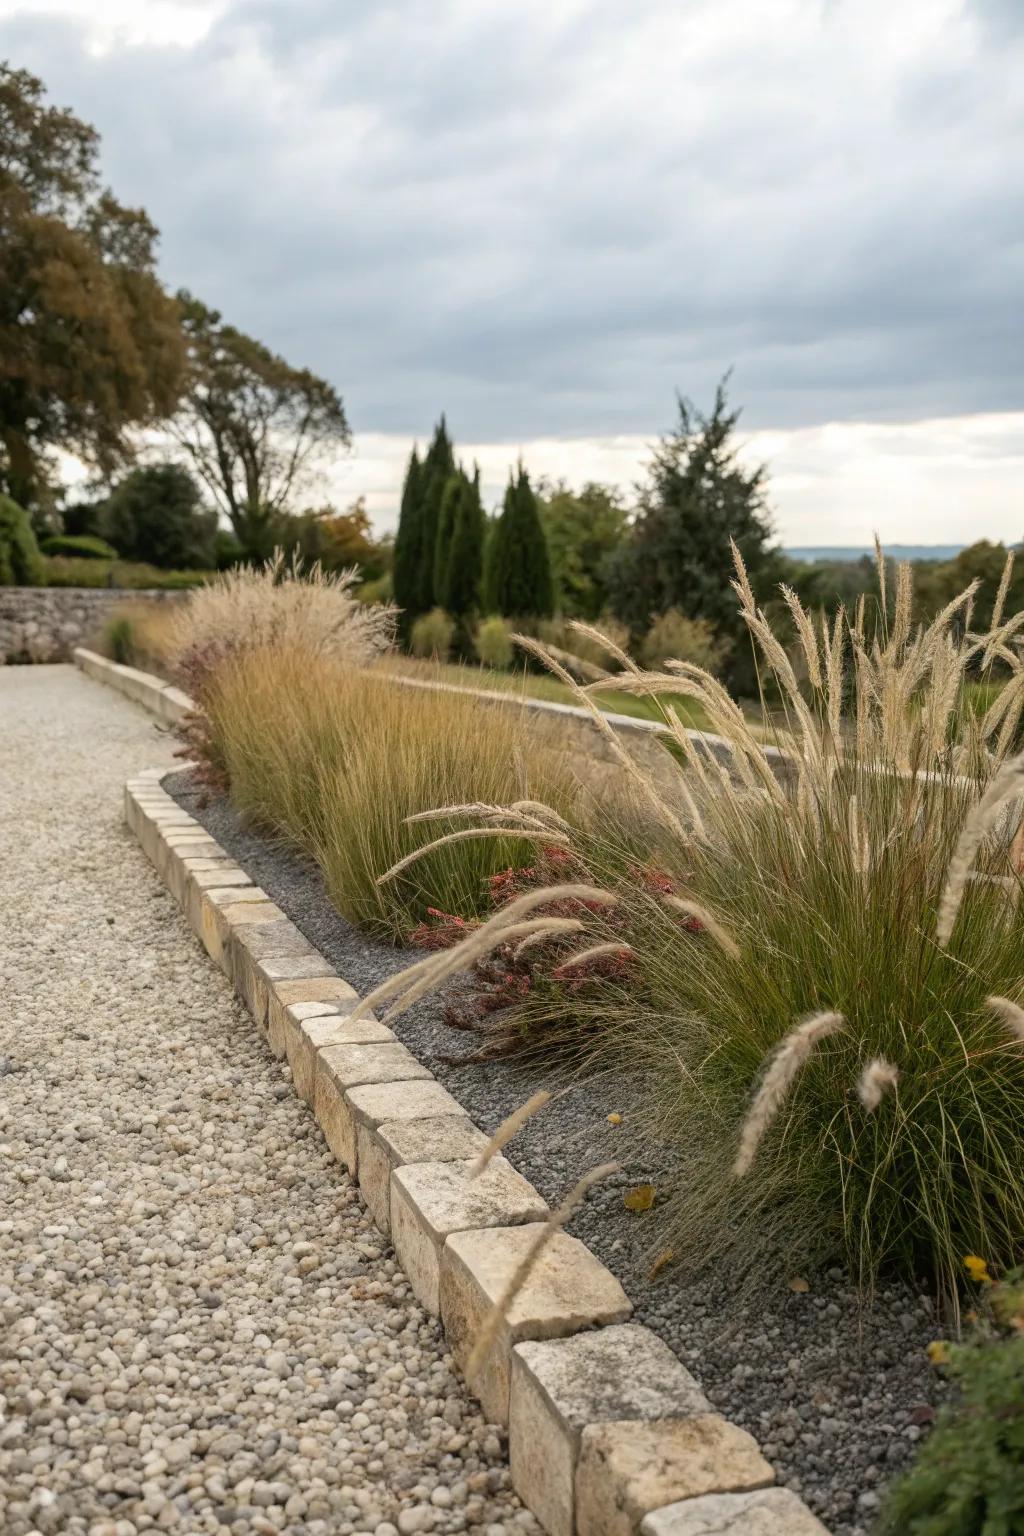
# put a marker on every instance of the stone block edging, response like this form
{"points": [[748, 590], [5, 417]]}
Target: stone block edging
{"points": [[161, 699], [608, 1432]]}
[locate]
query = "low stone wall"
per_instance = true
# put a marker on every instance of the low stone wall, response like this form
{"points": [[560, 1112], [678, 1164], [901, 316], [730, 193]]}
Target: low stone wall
{"points": [[46, 623]]}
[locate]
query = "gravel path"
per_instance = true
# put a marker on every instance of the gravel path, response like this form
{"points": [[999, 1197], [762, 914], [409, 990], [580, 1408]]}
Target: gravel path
{"points": [[837, 1394], [200, 1329]]}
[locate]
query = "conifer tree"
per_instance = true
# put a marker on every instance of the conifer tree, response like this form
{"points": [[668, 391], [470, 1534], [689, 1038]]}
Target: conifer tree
{"points": [[463, 570], [445, 529], [517, 579], [438, 467], [406, 569]]}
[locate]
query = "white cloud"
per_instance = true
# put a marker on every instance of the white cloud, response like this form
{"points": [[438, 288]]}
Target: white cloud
{"points": [[946, 481], [115, 24]]}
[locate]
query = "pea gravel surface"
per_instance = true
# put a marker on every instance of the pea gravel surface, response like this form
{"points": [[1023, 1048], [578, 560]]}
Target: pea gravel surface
{"points": [[837, 1393], [200, 1328]]}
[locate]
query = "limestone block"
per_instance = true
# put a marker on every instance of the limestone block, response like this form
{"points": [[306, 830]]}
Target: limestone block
{"points": [[289, 1020], [439, 1139], [429, 1201], [255, 978], [561, 1386], [222, 912], [168, 855], [282, 995], [766, 1512], [177, 870], [567, 1290], [340, 1068], [627, 1469], [303, 1043], [342, 1114]]}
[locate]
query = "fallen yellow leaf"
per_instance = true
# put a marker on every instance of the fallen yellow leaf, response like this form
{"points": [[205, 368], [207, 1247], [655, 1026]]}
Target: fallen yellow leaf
{"points": [[938, 1352], [799, 1285], [639, 1199], [665, 1257], [614, 1118]]}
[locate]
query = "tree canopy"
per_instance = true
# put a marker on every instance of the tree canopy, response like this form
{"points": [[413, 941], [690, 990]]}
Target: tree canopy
{"points": [[697, 497], [90, 345], [253, 426], [583, 530], [460, 567], [517, 570], [156, 515]]}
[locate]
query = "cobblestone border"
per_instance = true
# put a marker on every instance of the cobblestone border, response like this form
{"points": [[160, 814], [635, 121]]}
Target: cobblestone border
{"points": [[609, 1435]]}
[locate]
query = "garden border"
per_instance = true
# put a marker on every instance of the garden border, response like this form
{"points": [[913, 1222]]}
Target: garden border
{"points": [[608, 1433]]}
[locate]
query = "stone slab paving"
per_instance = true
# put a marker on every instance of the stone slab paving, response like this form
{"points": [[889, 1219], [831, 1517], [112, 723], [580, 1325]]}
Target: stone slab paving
{"points": [[200, 1328]]}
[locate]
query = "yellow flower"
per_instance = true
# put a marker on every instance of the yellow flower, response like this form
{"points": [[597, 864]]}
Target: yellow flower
{"points": [[977, 1269], [938, 1352]]}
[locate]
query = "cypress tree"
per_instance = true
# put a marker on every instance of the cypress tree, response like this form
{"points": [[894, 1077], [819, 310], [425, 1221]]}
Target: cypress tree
{"points": [[405, 572], [460, 591], [517, 580], [438, 467], [445, 529]]}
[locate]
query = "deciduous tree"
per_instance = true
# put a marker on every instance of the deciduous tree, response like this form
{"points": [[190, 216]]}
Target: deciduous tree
{"points": [[156, 515], [254, 427], [90, 345]]}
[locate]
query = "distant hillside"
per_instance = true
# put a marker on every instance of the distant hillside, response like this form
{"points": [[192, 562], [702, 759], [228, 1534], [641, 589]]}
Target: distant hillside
{"points": [[857, 551]]}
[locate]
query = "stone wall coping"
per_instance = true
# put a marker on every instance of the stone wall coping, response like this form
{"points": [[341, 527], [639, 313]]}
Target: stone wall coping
{"points": [[650, 1452], [624, 725]]}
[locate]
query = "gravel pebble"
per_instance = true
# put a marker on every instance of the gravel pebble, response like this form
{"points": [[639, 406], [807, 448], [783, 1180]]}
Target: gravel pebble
{"points": [[828, 1385], [166, 1364]]}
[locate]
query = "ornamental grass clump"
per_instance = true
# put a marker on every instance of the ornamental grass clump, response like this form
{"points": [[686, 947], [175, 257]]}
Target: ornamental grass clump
{"points": [[337, 761], [824, 976], [282, 603]]}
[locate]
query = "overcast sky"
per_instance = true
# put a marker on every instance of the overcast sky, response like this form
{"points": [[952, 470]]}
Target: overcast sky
{"points": [[546, 216]]}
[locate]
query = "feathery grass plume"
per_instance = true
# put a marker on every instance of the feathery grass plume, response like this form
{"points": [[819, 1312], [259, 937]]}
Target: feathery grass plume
{"points": [[418, 979], [883, 592], [1010, 1014], [782, 1072], [468, 834], [588, 669], [902, 612], [742, 582], [554, 1224], [808, 639], [707, 920], [1003, 787], [508, 1128], [566, 925], [284, 602], [484, 812], [449, 962], [1003, 589], [860, 847], [544, 814], [875, 1082], [594, 952], [605, 642], [636, 773]]}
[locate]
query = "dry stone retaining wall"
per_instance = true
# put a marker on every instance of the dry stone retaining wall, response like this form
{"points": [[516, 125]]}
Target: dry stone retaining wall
{"points": [[40, 624]]}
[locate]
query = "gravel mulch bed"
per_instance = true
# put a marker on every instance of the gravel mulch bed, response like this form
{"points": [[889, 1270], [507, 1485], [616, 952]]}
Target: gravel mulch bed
{"points": [[836, 1394], [201, 1331]]}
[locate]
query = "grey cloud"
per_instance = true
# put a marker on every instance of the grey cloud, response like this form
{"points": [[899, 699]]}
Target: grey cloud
{"points": [[546, 217]]}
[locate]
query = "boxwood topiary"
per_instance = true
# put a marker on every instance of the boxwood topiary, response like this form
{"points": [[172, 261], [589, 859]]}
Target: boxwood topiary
{"points": [[79, 546], [20, 562]]}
